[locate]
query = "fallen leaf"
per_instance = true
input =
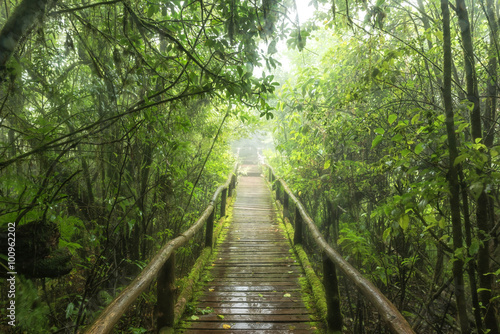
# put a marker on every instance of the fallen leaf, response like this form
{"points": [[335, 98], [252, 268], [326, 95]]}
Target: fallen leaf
{"points": [[287, 295], [220, 316], [211, 289], [226, 326], [194, 317]]}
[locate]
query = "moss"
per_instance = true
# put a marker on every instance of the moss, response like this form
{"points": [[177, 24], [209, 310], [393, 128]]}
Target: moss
{"points": [[311, 285], [207, 255], [316, 286]]}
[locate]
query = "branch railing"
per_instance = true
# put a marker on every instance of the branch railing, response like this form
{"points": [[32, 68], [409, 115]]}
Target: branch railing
{"points": [[162, 267], [393, 319]]}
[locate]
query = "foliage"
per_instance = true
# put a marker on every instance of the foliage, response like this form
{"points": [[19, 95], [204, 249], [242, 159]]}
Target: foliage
{"points": [[360, 135], [116, 118]]}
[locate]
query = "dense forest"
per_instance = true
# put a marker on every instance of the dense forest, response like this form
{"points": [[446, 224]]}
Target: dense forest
{"points": [[116, 120]]}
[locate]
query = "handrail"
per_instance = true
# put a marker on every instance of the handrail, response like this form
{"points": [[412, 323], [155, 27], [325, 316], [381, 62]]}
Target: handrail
{"points": [[390, 314], [113, 312]]}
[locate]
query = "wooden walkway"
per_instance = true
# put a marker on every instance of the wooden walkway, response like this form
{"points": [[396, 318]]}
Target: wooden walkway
{"points": [[253, 284]]}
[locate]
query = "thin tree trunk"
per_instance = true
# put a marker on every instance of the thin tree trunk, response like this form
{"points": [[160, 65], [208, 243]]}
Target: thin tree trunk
{"points": [[452, 174], [483, 262]]}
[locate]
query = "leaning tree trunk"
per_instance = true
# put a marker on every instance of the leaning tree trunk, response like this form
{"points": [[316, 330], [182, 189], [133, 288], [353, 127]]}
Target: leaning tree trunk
{"points": [[26, 15]]}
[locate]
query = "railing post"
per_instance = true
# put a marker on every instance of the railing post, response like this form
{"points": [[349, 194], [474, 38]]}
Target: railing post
{"points": [[278, 190], [330, 282], [165, 294], [209, 237], [223, 198], [232, 185], [230, 188], [297, 237], [286, 201]]}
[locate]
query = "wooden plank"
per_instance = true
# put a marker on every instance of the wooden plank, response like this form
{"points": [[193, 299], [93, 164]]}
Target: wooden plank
{"points": [[256, 326]]}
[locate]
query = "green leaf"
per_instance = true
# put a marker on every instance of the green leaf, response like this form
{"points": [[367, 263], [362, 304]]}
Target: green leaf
{"points": [[194, 317], [405, 152], [376, 141], [404, 222], [287, 295], [415, 119], [386, 234], [379, 131], [474, 247], [327, 164], [220, 316], [271, 49], [419, 148], [397, 138], [392, 118], [460, 159], [69, 310]]}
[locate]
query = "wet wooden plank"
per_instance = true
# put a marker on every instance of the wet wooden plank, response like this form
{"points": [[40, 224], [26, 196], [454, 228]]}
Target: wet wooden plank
{"points": [[252, 285], [256, 327]]}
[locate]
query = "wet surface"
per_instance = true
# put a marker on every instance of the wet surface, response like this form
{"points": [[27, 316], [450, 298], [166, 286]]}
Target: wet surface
{"points": [[253, 284]]}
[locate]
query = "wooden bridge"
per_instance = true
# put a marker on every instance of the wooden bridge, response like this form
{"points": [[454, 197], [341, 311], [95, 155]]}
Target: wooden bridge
{"points": [[254, 284]]}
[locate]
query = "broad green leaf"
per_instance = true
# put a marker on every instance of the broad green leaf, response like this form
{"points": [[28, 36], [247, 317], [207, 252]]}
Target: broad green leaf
{"points": [[392, 118], [397, 138], [327, 164], [386, 234], [461, 158], [419, 148], [69, 310], [405, 152], [493, 152], [404, 222], [474, 247], [379, 131], [376, 141]]}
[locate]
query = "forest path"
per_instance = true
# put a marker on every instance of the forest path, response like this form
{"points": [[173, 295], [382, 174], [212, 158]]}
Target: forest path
{"points": [[252, 286]]}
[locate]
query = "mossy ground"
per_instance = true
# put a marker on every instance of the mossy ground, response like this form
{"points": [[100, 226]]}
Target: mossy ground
{"points": [[198, 276], [313, 294]]}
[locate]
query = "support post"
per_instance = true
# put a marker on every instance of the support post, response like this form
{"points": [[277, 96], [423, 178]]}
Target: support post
{"points": [[278, 191], [223, 201], [230, 188], [232, 185], [209, 237], [165, 292], [286, 201], [330, 282], [297, 237]]}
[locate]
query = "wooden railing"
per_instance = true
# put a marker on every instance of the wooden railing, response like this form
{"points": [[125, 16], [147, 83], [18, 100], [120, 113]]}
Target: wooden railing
{"points": [[162, 267], [393, 319]]}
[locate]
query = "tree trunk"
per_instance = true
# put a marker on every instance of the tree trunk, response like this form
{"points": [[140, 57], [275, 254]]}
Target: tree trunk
{"points": [[458, 263], [483, 262], [26, 15]]}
